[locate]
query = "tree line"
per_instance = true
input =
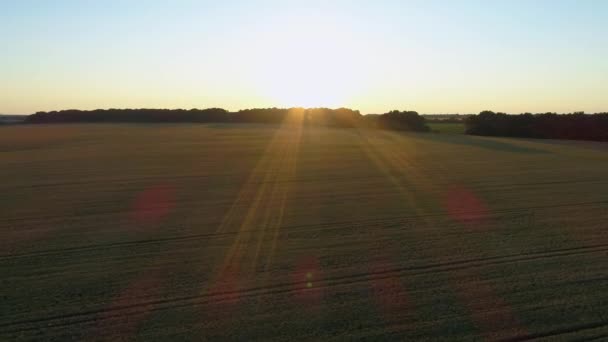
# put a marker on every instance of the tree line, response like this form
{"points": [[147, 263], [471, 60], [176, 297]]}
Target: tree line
{"points": [[341, 117], [574, 126]]}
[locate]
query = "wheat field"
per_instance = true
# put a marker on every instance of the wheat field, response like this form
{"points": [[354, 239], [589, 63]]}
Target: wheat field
{"points": [[261, 232]]}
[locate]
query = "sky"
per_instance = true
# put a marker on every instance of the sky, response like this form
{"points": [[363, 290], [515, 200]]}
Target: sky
{"points": [[377, 55]]}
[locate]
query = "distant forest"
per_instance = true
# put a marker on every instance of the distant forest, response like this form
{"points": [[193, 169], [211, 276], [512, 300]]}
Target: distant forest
{"points": [[342, 117], [575, 126]]}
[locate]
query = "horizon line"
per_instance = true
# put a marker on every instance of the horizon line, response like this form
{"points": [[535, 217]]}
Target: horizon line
{"points": [[290, 108]]}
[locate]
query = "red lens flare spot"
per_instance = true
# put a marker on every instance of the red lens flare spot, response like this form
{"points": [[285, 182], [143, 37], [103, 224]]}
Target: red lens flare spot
{"points": [[389, 293], [224, 297], [464, 206], [490, 313], [225, 288], [306, 280], [135, 302], [153, 204]]}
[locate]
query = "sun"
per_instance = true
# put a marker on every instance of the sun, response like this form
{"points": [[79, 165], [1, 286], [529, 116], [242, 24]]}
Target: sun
{"points": [[304, 90], [309, 65], [309, 78]]}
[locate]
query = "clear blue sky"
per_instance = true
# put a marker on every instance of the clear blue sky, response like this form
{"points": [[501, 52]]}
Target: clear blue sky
{"points": [[430, 56]]}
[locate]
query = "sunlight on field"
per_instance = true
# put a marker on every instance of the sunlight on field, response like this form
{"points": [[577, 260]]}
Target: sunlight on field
{"points": [[288, 231]]}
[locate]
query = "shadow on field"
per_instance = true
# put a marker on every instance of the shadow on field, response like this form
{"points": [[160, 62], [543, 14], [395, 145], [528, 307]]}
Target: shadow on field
{"points": [[591, 145], [486, 143]]}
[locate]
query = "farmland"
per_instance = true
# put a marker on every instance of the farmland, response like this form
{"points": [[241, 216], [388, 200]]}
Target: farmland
{"points": [[447, 127], [269, 232]]}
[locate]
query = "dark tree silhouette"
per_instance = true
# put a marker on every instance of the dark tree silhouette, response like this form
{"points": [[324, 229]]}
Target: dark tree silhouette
{"points": [[341, 117], [576, 126], [396, 120]]}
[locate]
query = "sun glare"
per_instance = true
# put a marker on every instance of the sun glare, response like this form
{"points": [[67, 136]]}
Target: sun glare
{"points": [[310, 65]]}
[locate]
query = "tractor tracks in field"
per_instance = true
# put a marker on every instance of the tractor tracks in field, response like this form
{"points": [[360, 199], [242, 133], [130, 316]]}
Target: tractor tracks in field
{"points": [[236, 176], [293, 288], [231, 177], [293, 229], [563, 331]]}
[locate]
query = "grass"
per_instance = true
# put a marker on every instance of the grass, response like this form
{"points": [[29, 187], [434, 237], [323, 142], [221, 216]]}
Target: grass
{"points": [[447, 127], [240, 232]]}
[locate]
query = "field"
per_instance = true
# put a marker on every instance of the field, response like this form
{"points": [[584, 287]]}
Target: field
{"points": [[253, 232], [447, 127]]}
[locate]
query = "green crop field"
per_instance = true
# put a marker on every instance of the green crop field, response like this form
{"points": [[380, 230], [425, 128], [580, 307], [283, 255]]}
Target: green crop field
{"points": [[447, 127], [254, 232]]}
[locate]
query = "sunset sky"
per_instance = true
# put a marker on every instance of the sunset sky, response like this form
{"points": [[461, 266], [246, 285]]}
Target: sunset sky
{"points": [[429, 56]]}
